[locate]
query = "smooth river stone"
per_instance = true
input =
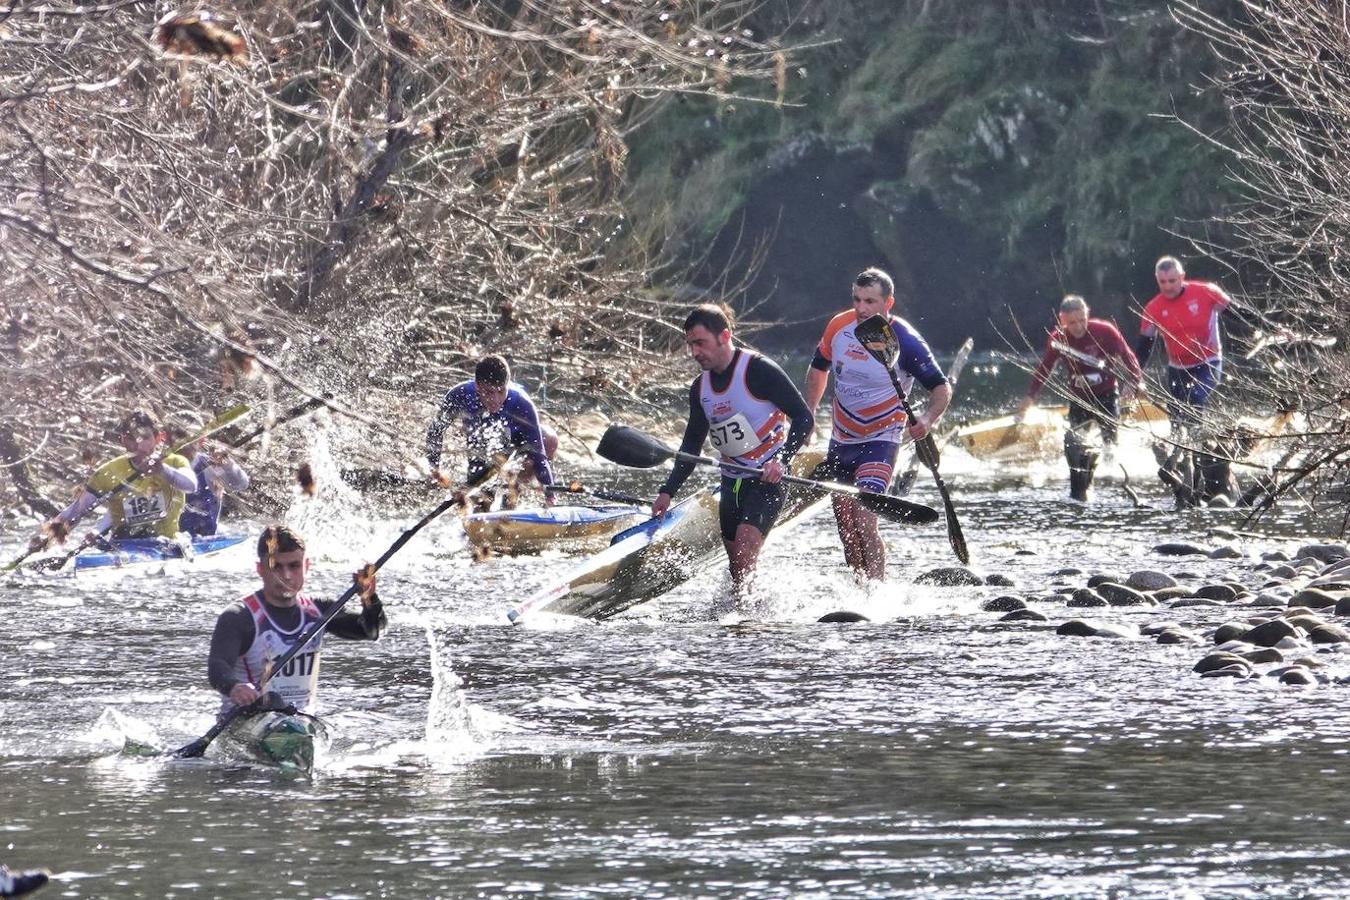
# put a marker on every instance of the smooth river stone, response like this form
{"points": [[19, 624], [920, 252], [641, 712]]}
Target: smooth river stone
{"points": [[1218, 660], [1162, 595], [1003, 604], [1226, 551], [1224, 593], [1230, 631], [1150, 580], [1343, 607], [1298, 676], [1327, 633], [1101, 578], [1188, 602], [1179, 636], [1325, 553], [1024, 615], [1175, 548], [950, 576], [1269, 634], [1120, 595], [1264, 655], [1160, 627], [1086, 597], [1275, 556], [1283, 572], [1077, 628], [997, 580]]}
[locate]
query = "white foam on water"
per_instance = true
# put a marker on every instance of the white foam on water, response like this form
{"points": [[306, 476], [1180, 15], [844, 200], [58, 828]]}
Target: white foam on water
{"points": [[456, 731]]}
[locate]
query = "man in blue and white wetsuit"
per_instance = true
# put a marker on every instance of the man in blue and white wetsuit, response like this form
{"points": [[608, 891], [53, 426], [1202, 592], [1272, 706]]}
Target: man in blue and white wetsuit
{"points": [[868, 419], [497, 416]]}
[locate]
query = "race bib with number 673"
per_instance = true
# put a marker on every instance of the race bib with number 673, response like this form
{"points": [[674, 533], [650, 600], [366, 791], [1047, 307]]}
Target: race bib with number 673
{"points": [[733, 436]]}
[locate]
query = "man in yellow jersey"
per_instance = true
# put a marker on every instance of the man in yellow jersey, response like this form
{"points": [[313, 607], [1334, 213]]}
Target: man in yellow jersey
{"points": [[150, 506]]}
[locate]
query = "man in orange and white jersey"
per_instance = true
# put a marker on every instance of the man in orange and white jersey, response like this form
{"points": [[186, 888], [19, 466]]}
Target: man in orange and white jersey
{"points": [[756, 419], [868, 419]]}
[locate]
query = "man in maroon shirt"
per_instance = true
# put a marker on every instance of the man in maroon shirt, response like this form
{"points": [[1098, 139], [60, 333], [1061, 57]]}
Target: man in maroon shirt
{"points": [[1098, 359]]}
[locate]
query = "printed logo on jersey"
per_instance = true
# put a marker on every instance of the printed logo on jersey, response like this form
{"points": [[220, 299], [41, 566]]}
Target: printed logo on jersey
{"points": [[721, 408]]}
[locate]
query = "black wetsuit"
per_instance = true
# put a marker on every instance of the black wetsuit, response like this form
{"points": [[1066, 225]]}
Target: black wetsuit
{"points": [[234, 634], [746, 500]]}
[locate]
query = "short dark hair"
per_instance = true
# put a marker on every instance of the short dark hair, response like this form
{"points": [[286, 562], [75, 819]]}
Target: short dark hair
{"points": [[492, 370], [135, 421], [278, 539], [873, 276], [715, 317]]}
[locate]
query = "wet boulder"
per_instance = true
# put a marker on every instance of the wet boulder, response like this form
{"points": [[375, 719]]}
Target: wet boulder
{"points": [[1226, 551], [998, 580], [1120, 595], [1230, 631], [1224, 593], [1269, 634], [1067, 571], [1185, 602], [1077, 628], [1275, 556], [1264, 655], [950, 576], [1086, 597], [1150, 580], [1325, 553], [1176, 548], [1101, 578], [842, 617], [1112, 630], [1179, 636], [1283, 572], [1296, 675], [1326, 633], [1162, 595], [1024, 615], [1159, 627], [1005, 603], [1342, 607], [1219, 660]]}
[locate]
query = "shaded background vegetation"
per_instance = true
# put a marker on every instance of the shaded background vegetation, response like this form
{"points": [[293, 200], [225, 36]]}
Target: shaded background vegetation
{"points": [[991, 155]]}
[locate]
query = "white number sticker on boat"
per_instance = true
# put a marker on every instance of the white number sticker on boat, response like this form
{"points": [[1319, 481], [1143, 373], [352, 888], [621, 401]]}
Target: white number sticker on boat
{"points": [[733, 436]]}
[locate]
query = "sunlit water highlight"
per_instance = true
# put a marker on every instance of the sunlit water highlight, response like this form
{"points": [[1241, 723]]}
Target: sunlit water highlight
{"points": [[932, 752]]}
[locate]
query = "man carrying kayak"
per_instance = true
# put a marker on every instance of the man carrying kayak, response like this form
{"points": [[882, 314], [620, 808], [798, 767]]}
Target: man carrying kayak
{"points": [[1098, 360], [263, 625], [756, 419], [867, 419], [152, 504], [497, 416]]}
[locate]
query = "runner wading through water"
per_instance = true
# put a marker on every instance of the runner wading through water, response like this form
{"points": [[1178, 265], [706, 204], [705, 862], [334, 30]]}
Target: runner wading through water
{"points": [[497, 415], [867, 417], [756, 418], [1186, 315], [1098, 359]]}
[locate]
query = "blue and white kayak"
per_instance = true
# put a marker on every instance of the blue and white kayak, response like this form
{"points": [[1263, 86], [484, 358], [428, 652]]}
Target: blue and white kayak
{"points": [[570, 528], [657, 555], [135, 551]]}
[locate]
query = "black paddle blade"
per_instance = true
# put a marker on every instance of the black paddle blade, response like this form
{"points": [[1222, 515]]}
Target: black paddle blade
{"points": [[630, 447], [955, 536], [878, 338], [897, 509]]}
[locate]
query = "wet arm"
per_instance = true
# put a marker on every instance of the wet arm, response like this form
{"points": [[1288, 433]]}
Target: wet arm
{"points": [[451, 405], [695, 433], [230, 640], [367, 625]]}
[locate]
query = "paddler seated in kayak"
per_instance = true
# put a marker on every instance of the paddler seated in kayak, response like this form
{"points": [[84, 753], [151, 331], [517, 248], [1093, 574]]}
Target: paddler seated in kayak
{"points": [[261, 627], [1098, 360], [866, 413], [217, 473], [497, 416], [756, 418], [151, 506]]}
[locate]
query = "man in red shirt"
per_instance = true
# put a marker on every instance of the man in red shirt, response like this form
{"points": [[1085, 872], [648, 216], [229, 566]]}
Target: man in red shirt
{"points": [[1098, 359], [1186, 315]]}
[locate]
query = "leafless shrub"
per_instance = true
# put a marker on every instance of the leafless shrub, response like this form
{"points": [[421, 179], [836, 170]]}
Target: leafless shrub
{"points": [[352, 197]]}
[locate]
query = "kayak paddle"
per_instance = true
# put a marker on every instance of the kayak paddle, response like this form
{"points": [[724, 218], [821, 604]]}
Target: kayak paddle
{"points": [[879, 339], [233, 414], [577, 487], [457, 498], [636, 449]]}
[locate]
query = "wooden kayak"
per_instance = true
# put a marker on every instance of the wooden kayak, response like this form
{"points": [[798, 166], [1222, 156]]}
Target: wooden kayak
{"points": [[134, 551], [290, 741], [657, 555], [572, 528]]}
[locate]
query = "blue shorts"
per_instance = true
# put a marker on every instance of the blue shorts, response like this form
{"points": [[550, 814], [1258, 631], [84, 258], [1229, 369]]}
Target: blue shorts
{"points": [[868, 465], [1190, 388]]}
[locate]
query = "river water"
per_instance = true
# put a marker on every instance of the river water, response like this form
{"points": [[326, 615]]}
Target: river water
{"points": [[674, 752]]}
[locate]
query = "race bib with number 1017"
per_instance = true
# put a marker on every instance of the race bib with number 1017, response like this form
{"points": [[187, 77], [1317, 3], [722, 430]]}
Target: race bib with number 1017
{"points": [[733, 436]]}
